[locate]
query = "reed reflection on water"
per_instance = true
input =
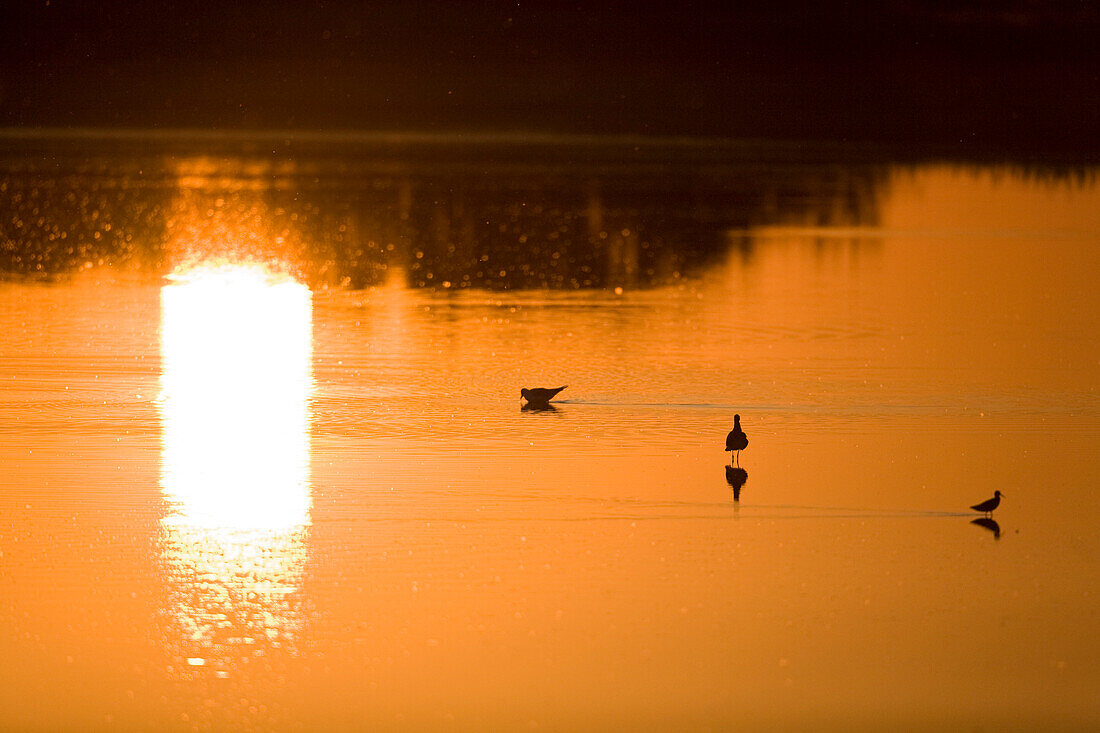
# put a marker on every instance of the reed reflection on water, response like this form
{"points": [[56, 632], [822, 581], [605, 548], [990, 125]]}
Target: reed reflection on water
{"points": [[487, 215], [236, 345]]}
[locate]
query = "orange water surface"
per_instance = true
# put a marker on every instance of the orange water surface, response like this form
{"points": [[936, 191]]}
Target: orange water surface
{"points": [[241, 496]]}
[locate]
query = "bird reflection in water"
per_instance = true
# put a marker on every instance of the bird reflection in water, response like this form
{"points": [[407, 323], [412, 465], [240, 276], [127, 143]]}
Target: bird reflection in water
{"points": [[990, 524], [736, 478], [538, 407]]}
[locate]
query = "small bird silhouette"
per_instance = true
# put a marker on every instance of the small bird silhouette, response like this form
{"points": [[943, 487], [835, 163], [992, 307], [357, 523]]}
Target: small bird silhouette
{"points": [[988, 505], [737, 441], [540, 395]]}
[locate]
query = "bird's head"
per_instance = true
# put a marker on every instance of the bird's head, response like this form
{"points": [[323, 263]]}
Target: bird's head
{"points": [[997, 493], [736, 419], [523, 392]]}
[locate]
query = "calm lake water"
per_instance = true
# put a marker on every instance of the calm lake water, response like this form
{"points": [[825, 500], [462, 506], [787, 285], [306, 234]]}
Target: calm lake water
{"points": [[265, 465]]}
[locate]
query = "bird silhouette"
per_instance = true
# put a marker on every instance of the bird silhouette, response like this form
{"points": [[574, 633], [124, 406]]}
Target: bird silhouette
{"points": [[736, 478], [737, 441], [987, 506], [539, 395]]}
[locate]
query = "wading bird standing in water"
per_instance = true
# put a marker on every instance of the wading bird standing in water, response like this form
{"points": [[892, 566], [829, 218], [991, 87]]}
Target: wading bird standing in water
{"points": [[988, 505], [539, 395], [737, 441]]}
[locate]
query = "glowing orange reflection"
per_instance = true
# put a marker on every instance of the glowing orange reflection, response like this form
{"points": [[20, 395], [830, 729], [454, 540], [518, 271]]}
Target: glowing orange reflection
{"points": [[236, 349]]}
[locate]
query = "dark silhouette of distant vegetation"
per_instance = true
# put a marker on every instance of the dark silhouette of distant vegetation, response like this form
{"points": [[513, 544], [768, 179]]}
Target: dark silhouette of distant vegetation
{"points": [[495, 212]]}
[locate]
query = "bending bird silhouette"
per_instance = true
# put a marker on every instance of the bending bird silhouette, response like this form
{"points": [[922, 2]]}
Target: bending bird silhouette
{"points": [[988, 505], [737, 441], [540, 395]]}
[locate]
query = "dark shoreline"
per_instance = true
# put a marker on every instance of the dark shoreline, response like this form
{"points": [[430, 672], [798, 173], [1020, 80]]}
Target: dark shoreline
{"points": [[480, 147]]}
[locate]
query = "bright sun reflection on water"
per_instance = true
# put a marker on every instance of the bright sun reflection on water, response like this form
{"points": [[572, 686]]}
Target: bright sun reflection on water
{"points": [[236, 344], [236, 349]]}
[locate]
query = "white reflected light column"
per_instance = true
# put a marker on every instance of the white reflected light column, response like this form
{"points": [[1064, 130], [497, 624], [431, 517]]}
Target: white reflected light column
{"points": [[236, 345]]}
